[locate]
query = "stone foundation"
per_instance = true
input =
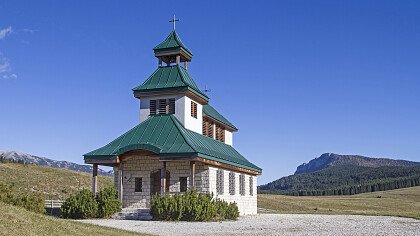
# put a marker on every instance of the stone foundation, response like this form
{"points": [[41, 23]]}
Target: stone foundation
{"points": [[205, 181]]}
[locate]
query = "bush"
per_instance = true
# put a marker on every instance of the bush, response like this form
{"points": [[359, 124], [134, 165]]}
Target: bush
{"points": [[30, 201], [108, 202], [81, 205], [192, 206]]}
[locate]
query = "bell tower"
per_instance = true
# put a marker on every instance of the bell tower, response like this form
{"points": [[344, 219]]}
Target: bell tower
{"points": [[172, 50]]}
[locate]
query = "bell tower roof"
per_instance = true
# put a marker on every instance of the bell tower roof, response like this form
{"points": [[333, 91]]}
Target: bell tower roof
{"points": [[171, 47]]}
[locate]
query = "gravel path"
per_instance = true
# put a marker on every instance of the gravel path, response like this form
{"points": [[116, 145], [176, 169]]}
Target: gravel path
{"points": [[277, 224]]}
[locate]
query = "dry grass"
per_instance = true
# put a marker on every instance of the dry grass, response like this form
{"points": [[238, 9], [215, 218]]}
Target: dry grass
{"points": [[18, 221], [53, 183], [401, 202]]}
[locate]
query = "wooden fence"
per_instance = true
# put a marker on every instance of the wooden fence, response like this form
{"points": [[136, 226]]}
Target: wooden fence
{"points": [[53, 203]]}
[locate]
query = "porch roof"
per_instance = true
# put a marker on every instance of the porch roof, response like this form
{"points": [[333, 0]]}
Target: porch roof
{"points": [[166, 136]]}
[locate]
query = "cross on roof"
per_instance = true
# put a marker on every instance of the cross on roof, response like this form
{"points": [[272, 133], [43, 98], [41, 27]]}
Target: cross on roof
{"points": [[174, 20]]}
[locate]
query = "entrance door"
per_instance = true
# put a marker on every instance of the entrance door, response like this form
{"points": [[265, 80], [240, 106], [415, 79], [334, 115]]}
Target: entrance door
{"points": [[155, 182]]}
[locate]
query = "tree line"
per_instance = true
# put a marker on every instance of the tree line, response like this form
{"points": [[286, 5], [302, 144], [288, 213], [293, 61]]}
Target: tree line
{"points": [[345, 180]]}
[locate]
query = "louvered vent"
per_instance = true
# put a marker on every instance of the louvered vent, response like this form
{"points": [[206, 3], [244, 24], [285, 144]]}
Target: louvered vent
{"points": [[171, 104], [162, 106], [194, 109], [152, 107]]}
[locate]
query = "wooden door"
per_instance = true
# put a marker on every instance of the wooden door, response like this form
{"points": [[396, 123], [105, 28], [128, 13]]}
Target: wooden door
{"points": [[155, 182]]}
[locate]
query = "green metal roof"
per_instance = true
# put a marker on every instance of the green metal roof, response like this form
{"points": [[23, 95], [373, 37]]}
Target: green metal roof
{"points": [[210, 111], [172, 42], [169, 78], [166, 136]]}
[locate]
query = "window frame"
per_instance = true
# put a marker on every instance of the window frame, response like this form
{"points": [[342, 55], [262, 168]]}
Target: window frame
{"points": [[220, 182], [138, 182], [242, 184], [232, 183], [194, 109], [251, 186], [183, 179]]}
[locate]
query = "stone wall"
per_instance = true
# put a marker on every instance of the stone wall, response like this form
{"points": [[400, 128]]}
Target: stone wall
{"points": [[247, 203], [205, 181], [143, 166]]}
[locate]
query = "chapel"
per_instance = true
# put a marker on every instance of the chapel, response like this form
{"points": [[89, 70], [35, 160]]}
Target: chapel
{"points": [[181, 142]]}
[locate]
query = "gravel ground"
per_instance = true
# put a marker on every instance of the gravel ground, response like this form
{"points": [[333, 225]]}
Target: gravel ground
{"points": [[277, 224]]}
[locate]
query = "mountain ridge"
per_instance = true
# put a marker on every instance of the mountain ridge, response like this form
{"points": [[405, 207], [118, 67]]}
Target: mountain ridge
{"points": [[43, 161], [332, 159]]}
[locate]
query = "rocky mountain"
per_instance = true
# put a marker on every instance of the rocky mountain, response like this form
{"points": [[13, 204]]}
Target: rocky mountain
{"points": [[43, 161], [331, 159]]}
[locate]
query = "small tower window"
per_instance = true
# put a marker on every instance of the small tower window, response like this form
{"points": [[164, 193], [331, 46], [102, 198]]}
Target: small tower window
{"points": [[152, 107], [193, 109], [220, 133], [162, 106], [207, 128], [171, 106]]}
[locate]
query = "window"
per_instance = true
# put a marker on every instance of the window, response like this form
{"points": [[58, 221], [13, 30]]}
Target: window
{"points": [[162, 106], [251, 186], [183, 184], [193, 109], [220, 133], [152, 107], [242, 185], [232, 183], [219, 182], [138, 185], [171, 106], [207, 128]]}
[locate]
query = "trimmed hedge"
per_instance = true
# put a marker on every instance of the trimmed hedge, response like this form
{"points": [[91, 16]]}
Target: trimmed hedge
{"points": [[192, 206], [108, 202], [30, 201], [84, 204]]}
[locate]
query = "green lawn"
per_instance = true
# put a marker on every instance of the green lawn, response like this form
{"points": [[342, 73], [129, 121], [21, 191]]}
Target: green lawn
{"points": [[400, 202], [18, 221], [52, 183]]}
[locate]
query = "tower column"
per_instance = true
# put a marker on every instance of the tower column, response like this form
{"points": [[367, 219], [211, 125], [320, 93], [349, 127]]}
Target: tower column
{"points": [[178, 59], [95, 178], [163, 178], [192, 178]]}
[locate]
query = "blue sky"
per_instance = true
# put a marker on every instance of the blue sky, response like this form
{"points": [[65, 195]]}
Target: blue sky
{"points": [[299, 78]]}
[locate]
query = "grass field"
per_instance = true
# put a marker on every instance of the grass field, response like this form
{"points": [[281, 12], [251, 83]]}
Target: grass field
{"points": [[53, 183], [401, 202], [18, 221]]}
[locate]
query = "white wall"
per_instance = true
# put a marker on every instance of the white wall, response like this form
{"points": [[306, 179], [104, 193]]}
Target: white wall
{"points": [[182, 111], [191, 123], [179, 107], [228, 137], [247, 204]]}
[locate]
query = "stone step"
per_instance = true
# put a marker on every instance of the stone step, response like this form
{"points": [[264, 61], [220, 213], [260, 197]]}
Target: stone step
{"points": [[133, 214]]}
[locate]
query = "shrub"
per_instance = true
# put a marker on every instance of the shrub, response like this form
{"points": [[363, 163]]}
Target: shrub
{"points": [[192, 206], [108, 202], [81, 205], [30, 201]]}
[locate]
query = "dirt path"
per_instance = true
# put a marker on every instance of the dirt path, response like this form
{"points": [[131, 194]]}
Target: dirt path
{"points": [[277, 224]]}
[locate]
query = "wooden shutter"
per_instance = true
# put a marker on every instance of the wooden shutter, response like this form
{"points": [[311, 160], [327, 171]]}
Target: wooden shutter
{"points": [[171, 106], [162, 106], [220, 133], [193, 109], [152, 107]]}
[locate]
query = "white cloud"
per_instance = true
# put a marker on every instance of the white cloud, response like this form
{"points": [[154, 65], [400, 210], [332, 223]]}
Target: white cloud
{"points": [[6, 71], [4, 32]]}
